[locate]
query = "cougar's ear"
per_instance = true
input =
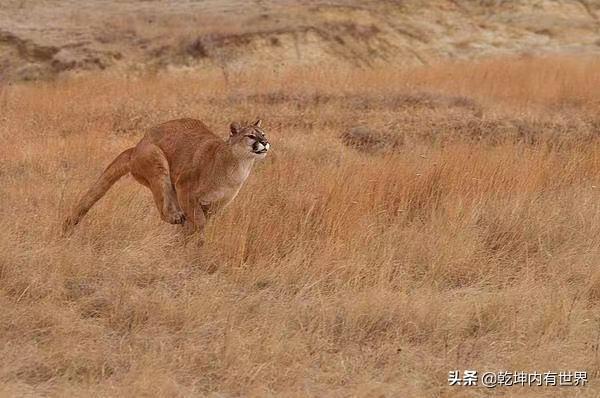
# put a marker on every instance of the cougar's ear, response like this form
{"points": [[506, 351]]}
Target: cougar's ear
{"points": [[234, 128], [257, 123]]}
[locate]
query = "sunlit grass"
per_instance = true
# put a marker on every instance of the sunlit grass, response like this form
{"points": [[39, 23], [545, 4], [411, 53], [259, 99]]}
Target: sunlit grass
{"points": [[339, 270]]}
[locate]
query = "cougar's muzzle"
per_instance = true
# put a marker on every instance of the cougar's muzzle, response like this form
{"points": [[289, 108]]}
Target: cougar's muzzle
{"points": [[260, 147]]}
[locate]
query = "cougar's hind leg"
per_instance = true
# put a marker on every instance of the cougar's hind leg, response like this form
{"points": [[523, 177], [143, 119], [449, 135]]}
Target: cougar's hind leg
{"points": [[150, 166]]}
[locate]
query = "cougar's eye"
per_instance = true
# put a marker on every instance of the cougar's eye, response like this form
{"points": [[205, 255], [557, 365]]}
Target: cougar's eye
{"points": [[251, 136]]}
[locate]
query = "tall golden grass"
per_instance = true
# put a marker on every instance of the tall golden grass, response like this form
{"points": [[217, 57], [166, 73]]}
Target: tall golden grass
{"points": [[342, 268]]}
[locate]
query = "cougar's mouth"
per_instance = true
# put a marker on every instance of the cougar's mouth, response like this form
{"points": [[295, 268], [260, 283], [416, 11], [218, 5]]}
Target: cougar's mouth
{"points": [[259, 148]]}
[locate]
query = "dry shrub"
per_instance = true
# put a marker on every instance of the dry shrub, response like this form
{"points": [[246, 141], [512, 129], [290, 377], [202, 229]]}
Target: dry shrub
{"points": [[473, 244], [364, 139]]}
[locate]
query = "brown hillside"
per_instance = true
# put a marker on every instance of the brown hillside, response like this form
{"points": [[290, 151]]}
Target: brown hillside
{"points": [[39, 39]]}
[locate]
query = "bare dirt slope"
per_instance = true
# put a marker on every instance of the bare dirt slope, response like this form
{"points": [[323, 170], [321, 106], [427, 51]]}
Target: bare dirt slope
{"points": [[40, 39]]}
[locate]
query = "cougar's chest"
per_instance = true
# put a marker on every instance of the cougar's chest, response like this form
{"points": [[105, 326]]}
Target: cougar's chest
{"points": [[229, 187], [223, 194]]}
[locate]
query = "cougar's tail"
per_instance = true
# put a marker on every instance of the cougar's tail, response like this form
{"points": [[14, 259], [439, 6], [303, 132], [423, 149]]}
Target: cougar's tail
{"points": [[117, 169]]}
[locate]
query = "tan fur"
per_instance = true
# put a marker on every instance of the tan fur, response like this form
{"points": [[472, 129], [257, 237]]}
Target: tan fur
{"points": [[190, 171]]}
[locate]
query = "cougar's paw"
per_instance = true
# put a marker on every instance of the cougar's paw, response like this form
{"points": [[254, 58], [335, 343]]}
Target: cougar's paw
{"points": [[176, 217]]}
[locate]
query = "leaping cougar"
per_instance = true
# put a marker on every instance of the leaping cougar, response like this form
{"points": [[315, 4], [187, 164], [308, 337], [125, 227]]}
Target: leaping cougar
{"points": [[190, 171]]}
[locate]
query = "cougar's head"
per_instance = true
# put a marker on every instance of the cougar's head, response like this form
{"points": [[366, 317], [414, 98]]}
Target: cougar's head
{"points": [[249, 140]]}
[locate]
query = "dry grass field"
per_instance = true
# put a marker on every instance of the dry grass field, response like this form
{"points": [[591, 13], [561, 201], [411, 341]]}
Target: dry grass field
{"points": [[407, 222]]}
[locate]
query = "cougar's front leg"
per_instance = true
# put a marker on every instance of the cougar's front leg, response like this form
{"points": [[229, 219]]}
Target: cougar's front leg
{"points": [[195, 219]]}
